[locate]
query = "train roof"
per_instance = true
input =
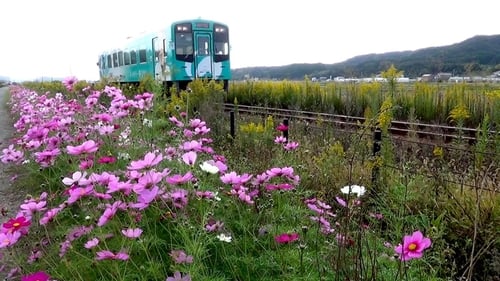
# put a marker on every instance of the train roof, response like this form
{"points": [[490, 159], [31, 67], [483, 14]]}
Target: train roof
{"points": [[142, 39]]}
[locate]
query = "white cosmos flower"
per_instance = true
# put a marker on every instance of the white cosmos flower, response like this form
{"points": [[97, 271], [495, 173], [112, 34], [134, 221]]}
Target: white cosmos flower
{"points": [[224, 238], [209, 167], [148, 123], [77, 178], [357, 189]]}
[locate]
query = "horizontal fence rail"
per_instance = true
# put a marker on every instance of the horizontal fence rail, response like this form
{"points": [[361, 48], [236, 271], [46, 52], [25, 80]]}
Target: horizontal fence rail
{"points": [[422, 130]]}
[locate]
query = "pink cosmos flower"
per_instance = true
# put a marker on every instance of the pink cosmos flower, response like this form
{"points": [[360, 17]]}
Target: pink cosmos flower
{"points": [[413, 246], [76, 193], [35, 256], [179, 179], [146, 196], [132, 232], [104, 117], [108, 214], [108, 255], [197, 123], [37, 276], [69, 82], [203, 130], [176, 122], [122, 256], [89, 146], [91, 243], [280, 186], [286, 238], [32, 207], [179, 256], [192, 146], [150, 160], [11, 155], [213, 225], [205, 194], [148, 180], [104, 255], [341, 201], [291, 146], [187, 133], [189, 158], [178, 197], [86, 164], [49, 215], [235, 179], [280, 140], [178, 277], [47, 157], [9, 238], [278, 172]]}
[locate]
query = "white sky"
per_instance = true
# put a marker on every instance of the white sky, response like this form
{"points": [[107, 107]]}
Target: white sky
{"points": [[62, 38]]}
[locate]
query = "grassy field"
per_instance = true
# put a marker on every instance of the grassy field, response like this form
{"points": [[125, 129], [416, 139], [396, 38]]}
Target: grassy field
{"points": [[425, 102], [126, 184]]}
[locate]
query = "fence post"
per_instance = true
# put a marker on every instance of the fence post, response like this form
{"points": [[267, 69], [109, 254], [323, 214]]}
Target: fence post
{"points": [[285, 131], [231, 124], [377, 139]]}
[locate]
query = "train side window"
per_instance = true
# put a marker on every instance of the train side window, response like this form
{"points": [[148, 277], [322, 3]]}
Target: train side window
{"points": [[142, 56], [120, 58], [115, 60], [126, 58], [133, 57], [108, 63]]}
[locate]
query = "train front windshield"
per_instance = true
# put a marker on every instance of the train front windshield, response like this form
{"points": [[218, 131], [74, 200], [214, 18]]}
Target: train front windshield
{"points": [[184, 42], [221, 43]]}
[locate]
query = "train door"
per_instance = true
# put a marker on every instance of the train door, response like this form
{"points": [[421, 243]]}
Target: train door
{"points": [[203, 55], [159, 69]]}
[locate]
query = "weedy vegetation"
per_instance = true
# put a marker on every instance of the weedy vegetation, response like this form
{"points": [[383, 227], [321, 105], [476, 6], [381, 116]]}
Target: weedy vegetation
{"points": [[128, 183]]}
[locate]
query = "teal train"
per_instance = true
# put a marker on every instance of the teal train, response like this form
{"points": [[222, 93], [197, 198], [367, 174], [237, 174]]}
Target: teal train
{"points": [[176, 55]]}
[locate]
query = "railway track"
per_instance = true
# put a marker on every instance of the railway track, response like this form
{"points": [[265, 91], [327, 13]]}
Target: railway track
{"points": [[397, 128]]}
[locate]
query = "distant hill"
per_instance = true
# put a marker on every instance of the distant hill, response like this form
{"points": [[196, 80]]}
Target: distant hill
{"points": [[479, 55]]}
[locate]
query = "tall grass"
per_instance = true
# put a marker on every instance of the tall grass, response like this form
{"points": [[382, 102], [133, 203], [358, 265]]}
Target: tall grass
{"points": [[429, 102]]}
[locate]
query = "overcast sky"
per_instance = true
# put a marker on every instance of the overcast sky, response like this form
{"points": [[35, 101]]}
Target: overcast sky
{"points": [[62, 38]]}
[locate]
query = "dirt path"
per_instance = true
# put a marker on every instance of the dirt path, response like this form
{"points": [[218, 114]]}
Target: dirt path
{"points": [[10, 199]]}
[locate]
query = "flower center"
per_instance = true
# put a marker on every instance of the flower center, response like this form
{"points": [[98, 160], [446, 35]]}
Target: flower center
{"points": [[412, 246], [16, 224]]}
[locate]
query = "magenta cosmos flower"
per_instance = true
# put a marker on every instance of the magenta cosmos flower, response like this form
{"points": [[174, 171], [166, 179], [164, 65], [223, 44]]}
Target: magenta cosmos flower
{"points": [[413, 246], [18, 224], [37, 276], [282, 127], [286, 238]]}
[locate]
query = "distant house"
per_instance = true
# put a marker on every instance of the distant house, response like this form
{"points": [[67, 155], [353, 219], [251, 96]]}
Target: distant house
{"points": [[427, 78], [442, 77]]}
